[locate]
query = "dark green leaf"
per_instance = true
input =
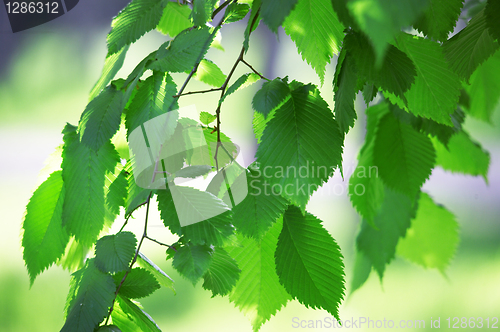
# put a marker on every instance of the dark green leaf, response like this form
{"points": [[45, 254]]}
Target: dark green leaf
{"points": [[274, 12], [271, 95], [253, 22], [139, 17], [108, 328], [113, 253], [345, 89], [138, 283], [492, 11], [301, 137], [213, 225], [202, 11], [309, 263], [439, 19], [112, 65], [470, 47], [236, 11], [94, 295], [182, 53], [44, 238], [154, 98], [396, 74], [192, 261], [222, 273], [404, 156], [101, 118], [261, 207], [434, 95], [392, 221]]}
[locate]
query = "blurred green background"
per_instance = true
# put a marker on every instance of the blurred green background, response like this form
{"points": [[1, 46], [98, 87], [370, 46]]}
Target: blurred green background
{"points": [[45, 83]]}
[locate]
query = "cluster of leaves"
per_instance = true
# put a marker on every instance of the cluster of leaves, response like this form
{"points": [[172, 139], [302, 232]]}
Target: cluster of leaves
{"points": [[263, 250]]}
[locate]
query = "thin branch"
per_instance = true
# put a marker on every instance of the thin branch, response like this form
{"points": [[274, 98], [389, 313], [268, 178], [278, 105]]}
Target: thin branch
{"points": [[221, 7], [144, 235], [160, 243], [194, 92], [255, 71]]}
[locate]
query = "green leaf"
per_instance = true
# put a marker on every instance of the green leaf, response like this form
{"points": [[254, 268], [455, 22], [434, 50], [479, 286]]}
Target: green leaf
{"points": [[193, 171], [117, 192], [175, 19], [439, 19], [432, 239], [484, 89], [162, 278], [208, 72], [101, 118], [236, 11], [361, 272], [195, 205], [316, 31], [113, 253], [345, 17], [207, 118], [44, 238], [192, 261], [392, 221], [258, 292], [182, 53], [94, 295], [396, 74], [382, 20], [108, 328], [242, 82], [261, 207], [222, 273], [434, 95], [202, 11], [309, 263], [492, 11], [131, 318], [470, 47], [462, 155], [139, 17], [313, 144], [84, 172], [345, 89], [154, 98], [112, 65], [274, 12], [253, 22], [366, 189], [404, 156], [136, 196], [138, 283], [270, 96]]}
